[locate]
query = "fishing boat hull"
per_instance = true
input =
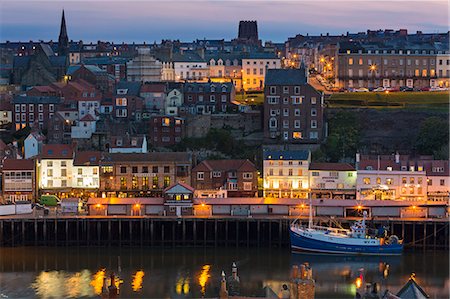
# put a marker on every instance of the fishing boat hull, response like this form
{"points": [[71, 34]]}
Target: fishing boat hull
{"points": [[311, 241]]}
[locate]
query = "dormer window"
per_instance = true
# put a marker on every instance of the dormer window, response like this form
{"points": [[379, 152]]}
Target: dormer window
{"points": [[119, 142], [224, 88], [122, 91], [133, 142], [213, 88]]}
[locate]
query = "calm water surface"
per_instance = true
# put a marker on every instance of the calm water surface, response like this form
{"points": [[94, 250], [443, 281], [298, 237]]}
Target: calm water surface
{"points": [[40, 272]]}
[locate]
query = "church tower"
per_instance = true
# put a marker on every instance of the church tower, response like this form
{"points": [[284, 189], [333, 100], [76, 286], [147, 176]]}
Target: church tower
{"points": [[63, 40]]}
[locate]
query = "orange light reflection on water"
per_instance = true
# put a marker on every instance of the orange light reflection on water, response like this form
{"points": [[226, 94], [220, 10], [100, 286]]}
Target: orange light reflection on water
{"points": [[203, 277], [138, 278]]}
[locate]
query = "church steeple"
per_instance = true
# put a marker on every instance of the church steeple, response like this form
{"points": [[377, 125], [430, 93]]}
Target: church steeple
{"points": [[63, 40]]}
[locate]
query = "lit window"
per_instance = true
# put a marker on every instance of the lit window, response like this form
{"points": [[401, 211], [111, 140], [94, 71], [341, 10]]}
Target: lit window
{"points": [[297, 135]]}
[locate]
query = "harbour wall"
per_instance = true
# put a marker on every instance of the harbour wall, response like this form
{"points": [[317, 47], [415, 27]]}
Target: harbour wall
{"points": [[194, 231]]}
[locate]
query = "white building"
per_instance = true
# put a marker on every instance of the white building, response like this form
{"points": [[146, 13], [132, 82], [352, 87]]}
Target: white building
{"points": [[403, 177], [391, 185], [167, 71], [84, 128], [190, 66], [5, 117], [144, 67], [285, 173], [174, 100], [254, 70], [55, 168], [438, 179], [332, 180], [86, 170], [127, 144], [33, 144], [86, 107]]}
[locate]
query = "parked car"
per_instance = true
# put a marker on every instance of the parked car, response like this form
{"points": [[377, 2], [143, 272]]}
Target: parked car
{"points": [[362, 89], [406, 89], [438, 89], [425, 89], [379, 89], [393, 89]]}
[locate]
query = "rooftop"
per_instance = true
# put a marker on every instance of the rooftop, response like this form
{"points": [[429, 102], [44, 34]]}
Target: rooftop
{"points": [[286, 155], [285, 77], [18, 164]]}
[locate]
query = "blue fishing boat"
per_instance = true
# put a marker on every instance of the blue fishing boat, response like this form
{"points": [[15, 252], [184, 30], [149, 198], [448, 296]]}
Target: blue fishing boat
{"points": [[320, 239]]}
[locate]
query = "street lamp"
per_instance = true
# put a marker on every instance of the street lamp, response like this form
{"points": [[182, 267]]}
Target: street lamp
{"points": [[372, 69]]}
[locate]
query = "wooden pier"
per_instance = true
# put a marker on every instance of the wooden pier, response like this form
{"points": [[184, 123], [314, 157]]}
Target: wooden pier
{"points": [[191, 231]]}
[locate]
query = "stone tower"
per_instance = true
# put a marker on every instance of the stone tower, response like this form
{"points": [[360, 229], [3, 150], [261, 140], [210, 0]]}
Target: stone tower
{"points": [[248, 30], [63, 40]]}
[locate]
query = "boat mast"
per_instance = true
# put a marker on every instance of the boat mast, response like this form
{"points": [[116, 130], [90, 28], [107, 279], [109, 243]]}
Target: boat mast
{"points": [[310, 223]]}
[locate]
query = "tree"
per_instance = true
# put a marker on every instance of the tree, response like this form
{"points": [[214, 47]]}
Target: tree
{"points": [[433, 135], [343, 140]]}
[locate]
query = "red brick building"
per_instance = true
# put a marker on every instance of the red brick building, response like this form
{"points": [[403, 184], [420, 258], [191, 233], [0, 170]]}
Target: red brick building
{"points": [[206, 98], [127, 104], [166, 130], [102, 81], [238, 177], [293, 109], [143, 174], [30, 109]]}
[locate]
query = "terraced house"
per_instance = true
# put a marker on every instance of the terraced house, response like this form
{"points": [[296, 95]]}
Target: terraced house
{"points": [[239, 178], [375, 64], [293, 109], [206, 98], [142, 174]]}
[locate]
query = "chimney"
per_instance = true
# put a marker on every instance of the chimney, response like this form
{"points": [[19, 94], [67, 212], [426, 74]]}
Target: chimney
{"points": [[397, 158]]}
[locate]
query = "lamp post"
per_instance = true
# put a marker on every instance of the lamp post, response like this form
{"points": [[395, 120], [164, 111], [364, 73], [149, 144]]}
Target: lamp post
{"points": [[373, 68]]}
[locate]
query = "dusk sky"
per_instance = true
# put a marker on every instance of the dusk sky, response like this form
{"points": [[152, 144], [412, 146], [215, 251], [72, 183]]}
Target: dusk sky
{"points": [[187, 20]]}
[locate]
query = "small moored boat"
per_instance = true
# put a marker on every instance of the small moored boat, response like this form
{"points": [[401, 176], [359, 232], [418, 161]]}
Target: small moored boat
{"points": [[355, 240]]}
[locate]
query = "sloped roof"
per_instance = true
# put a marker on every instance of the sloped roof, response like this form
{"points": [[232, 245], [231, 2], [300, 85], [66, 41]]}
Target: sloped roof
{"points": [[285, 77], [411, 290], [92, 68], [150, 157], [133, 88], [58, 60], [153, 87], [187, 56], [36, 100], [21, 61], [331, 166], [87, 117], [183, 185], [18, 164], [45, 88], [47, 49], [197, 87], [225, 165], [126, 141], [57, 151], [286, 155], [87, 158]]}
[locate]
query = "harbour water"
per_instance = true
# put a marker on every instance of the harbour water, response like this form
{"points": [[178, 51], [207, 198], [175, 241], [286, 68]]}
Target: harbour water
{"points": [[143, 272]]}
